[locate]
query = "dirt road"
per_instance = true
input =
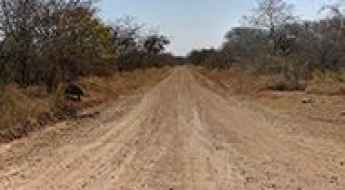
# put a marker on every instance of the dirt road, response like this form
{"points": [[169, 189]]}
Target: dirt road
{"points": [[180, 136]]}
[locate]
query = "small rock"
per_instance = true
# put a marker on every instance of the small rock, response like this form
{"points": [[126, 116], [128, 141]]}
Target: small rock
{"points": [[342, 163], [307, 100]]}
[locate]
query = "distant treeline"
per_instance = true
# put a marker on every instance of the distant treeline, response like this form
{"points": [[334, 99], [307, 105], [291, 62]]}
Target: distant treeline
{"points": [[273, 40], [46, 42]]}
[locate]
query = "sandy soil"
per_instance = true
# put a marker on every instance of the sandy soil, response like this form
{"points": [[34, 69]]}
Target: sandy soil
{"points": [[180, 136]]}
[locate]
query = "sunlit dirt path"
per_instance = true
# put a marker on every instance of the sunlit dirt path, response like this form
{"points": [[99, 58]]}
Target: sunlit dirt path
{"points": [[179, 136]]}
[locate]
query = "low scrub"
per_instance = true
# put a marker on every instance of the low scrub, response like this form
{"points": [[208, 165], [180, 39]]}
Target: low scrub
{"points": [[243, 82], [327, 83], [30, 109], [281, 83]]}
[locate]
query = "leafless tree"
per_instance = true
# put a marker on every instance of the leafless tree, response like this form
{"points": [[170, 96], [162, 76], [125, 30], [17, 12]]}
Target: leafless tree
{"points": [[126, 34], [270, 14]]}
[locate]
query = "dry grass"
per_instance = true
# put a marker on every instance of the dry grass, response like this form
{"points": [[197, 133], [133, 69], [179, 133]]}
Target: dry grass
{"points": [[237, 81], [328, 83], [26, 110], [326, 90], [241, 82], [21, 111], [101, 89]]}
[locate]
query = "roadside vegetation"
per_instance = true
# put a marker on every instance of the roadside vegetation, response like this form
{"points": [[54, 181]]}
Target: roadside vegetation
{"points": [[282, 62], [47, 45], [290, 53]]}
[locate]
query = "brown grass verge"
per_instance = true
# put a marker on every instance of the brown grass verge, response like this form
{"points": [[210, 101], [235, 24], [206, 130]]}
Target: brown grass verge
{"points": [[25, 110], [325, 92]]}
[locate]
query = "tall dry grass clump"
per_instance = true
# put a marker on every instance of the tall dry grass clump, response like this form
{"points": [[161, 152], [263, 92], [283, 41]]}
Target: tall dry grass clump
{"points": [[22, 111]]}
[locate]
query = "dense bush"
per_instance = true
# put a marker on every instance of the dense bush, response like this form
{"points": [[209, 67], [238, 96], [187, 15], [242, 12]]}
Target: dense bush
{"points": [[53, 41]]}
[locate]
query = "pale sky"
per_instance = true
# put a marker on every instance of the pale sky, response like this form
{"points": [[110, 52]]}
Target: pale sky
{"points": [[194, 23]]}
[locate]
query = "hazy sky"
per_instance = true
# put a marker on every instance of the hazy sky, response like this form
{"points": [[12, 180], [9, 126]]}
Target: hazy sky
{"points": [[194, 23]]}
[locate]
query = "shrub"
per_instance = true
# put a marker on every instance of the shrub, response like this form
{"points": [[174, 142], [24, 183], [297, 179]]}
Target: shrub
{"points": [[327, 83]]}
